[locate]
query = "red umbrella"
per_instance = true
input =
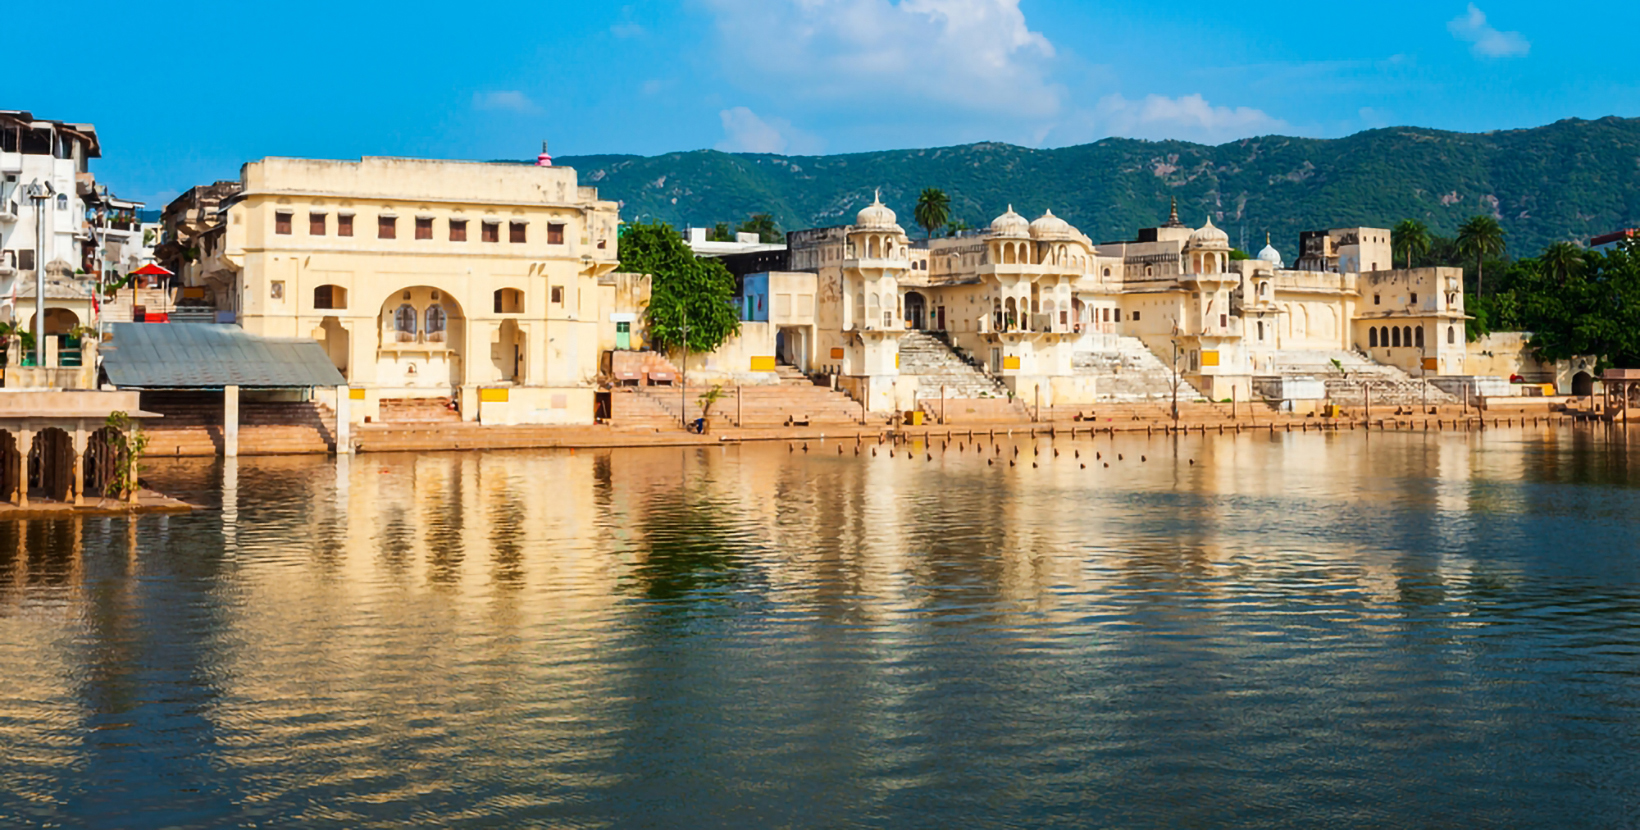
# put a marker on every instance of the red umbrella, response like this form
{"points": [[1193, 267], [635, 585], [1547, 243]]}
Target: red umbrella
{"points": [[152, 269]]}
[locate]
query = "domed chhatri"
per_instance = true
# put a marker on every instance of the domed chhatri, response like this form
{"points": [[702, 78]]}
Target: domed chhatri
{"points": [[877, 216], [1270, 254], [1011, 224], [1208, 236], [1049, 226]]}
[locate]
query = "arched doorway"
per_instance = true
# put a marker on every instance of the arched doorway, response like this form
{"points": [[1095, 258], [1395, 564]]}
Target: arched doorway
{"points": [[337, 340], [508, 352], [10, 467], [1582, 384], [105, 455], [421, 336], [58, 321], [51, 465], [916, 310]]}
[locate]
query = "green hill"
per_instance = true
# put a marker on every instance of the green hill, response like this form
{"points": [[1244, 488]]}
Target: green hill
{"points": [[1565, 181]]}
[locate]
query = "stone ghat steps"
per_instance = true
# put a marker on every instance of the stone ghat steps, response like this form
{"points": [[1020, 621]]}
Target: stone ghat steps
{"points": [[1127, 370], [1352, 392], [761, 405], [631, 409], [418, 410], [976, 411], [936, 365], [196, 441]]}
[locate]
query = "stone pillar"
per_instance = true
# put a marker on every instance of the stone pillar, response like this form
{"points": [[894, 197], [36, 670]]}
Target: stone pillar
{"points": [[25, 445], [230, 422], [76, 482], [344, 420], [47, 346]]}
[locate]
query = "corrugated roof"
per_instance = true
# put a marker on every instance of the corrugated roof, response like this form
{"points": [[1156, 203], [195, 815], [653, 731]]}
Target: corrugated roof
{"points": [[203, 356]]}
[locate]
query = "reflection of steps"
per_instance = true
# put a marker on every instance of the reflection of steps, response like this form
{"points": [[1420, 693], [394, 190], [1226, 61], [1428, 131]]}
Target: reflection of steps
{"points": [[1128, 371], [418, 410], [935, 364], [758, 406]]}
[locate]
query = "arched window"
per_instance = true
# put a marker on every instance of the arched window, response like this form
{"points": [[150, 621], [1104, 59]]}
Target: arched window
{"points": [[1406, 336], [62, 203], [509, 301], [1107, 272], [1419, 331], [404, 322], [435, 323], [1395, 335], [1372, 338], [871, 248], [330, 296], [1451, 334], [890, 306]]}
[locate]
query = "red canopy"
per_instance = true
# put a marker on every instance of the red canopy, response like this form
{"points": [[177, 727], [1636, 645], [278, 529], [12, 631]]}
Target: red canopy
{"points": [[152, 270]]}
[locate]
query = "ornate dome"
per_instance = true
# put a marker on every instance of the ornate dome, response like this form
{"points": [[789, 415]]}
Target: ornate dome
{"points": [[1270, 254], [1208, 236], [1049, 226], [877, 216], [1010, 224]]}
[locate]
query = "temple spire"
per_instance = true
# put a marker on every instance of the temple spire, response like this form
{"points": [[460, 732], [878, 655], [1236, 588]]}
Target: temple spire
{"points": [[1173, 216]]}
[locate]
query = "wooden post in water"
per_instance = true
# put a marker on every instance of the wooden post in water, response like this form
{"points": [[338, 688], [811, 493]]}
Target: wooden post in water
{"points": [[740, 407]]}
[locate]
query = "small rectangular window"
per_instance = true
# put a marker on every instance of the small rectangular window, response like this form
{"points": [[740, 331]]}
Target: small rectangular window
{"points": [[281, 222], [515, 231], [558, 295], [424, 227], [492, 232], [25, 261], [1414, 299], [555, 234], [276, 289], [1119, 316], [316, 224], [387, 227], [1375, 299], [344, 224], [1224, 320], [458, 230]]}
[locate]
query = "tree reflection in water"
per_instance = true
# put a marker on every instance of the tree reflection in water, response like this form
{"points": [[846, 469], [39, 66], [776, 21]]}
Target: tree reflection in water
{"points": [[691, 540]]}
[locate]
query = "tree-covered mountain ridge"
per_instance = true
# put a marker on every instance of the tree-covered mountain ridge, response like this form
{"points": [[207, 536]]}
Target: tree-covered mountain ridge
{"points": [[1564, 181]]}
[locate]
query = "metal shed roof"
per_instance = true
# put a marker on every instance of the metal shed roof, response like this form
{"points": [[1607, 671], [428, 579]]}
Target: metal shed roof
{"points": [[201, 356]]}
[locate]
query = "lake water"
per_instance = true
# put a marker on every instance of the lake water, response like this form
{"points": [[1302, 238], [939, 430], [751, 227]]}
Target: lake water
{"points": [[1301, 631]]}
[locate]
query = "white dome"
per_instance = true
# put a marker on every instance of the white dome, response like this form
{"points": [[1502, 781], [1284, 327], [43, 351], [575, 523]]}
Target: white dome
{"points": [[877, 216], [1049, 226], [1010, 224], [1270, 254], [1208, 236]]}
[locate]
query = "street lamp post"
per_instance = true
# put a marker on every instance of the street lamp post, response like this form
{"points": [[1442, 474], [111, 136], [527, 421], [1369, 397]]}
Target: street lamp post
{"points": [[39, 194], [683, 373]]}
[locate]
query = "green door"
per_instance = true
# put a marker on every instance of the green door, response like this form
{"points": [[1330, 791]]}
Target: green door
{"points": [[623, 336]]}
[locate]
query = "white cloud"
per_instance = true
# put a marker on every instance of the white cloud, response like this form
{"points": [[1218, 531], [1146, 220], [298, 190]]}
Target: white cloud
{"points": [[745, 131], [1188, 117], [971, 55], [510, 100], [1488, 42]]}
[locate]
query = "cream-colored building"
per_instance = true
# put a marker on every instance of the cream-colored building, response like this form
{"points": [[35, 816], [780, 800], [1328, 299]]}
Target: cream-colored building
{"points": [[1040, 307], [425, 279]]}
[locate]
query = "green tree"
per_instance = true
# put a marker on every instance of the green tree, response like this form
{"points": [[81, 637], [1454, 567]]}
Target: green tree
{"points": [[1595, 311], [956, 226], [684, 289], [720, 233], [1562, 260], [1410, 237], [1237, 255], [763, 225], [933, 210], [1480, 238]]}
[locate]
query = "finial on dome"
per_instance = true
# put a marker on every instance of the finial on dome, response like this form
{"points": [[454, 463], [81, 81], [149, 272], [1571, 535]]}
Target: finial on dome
{"points": [[877, 198], [1173, 216]]}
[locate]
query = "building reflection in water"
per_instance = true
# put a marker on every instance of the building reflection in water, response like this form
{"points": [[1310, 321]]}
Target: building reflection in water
{"points": [[600, 635]]}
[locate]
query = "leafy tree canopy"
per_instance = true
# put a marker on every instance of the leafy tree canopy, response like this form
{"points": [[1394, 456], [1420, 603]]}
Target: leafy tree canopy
{"points": [[763, 225], [685, 290]]}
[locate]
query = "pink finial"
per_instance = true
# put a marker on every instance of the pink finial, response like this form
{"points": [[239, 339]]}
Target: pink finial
{"points": [[545, 159]]}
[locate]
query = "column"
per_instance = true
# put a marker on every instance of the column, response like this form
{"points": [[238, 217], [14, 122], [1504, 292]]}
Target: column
{"points": [[25, 445], [230, 422], [76, 483], [344, 420]]}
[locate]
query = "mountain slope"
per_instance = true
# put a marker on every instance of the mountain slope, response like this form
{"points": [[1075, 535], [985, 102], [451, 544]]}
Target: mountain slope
{"points": [[1568, 180]]}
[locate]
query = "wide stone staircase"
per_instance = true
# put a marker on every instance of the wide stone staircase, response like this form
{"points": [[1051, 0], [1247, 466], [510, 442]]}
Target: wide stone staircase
{"points": [[1350, 378], [192, 426], [935, 365], [418, 411], [1128, 371], [750, 406]]}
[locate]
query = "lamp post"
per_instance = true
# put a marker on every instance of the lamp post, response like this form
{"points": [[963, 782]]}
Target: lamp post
{"points": [[39, 194], [683, 372]]}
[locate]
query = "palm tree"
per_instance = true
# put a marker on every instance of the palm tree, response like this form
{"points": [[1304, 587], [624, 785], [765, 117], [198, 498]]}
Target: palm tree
{"points": [[1480, 238], [763, 225], [1562, 260], [933, 209], [1410, 237]]}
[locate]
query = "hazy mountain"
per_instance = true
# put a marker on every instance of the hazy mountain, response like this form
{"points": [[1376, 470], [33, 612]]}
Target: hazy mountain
{"points": [[1568, 180]]}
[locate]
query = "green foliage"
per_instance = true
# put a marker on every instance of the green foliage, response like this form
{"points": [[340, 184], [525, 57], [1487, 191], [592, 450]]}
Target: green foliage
{"points": [[15, 329], [1237, 254], [1479, 238], [709, 398], [1410, 237], [764, 226], [720, 233], [956, 226], [1568, 180], [128, 463], [933, 210], [685, 290], [1594, 310]]}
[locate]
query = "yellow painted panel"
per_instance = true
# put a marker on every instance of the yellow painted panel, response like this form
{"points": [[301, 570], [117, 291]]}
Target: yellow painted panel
{"points": [[493, 395], [1010, 363], [836, 354], [1210, 358], [762, 364], [355, 394]]}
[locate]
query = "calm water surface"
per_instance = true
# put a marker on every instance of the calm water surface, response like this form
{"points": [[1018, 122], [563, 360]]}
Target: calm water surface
{"points": [[1291, 631]]}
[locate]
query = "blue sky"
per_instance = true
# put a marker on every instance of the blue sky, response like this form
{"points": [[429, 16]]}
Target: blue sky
{"points": [[192, 90]]}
